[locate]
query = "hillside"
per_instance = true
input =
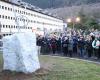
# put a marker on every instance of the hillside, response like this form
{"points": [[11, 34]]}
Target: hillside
{"points": [[69, 8], [59, 3], [66, 12]]}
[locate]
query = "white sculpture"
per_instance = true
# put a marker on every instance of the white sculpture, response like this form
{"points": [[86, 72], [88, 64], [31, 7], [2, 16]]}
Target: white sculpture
{"points": [[20, 53]]}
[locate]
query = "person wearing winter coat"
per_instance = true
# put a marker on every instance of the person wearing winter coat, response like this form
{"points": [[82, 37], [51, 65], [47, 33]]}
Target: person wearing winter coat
{"points": [[81, 44], [96, 45], [65, 46], [53, 45], [70, 47], [89, 47]]}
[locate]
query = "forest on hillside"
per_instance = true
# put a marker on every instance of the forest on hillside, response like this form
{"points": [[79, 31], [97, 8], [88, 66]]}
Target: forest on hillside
{"points": [[59, 3]]}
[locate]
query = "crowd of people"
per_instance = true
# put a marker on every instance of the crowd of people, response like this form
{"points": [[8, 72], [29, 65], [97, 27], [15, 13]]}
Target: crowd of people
{"points": [[78, 45]]}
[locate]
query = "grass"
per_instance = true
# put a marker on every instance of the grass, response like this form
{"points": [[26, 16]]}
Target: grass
{"points": [[1, 60], [66, 69]]}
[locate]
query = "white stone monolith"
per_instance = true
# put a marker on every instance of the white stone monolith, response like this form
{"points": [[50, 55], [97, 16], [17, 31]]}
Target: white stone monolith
{"points": [[20, 53]]}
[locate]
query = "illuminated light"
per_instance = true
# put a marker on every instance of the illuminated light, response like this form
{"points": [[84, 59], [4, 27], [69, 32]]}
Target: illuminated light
{"points": [[69, 20], [78, 19]]}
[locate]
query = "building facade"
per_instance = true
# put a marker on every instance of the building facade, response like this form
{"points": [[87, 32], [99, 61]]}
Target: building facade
{"points": [[15, 18]]}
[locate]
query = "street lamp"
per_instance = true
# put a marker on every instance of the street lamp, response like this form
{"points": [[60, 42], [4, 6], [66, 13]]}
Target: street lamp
{"points": [[73, 20], [78, 19], [69, 20]]}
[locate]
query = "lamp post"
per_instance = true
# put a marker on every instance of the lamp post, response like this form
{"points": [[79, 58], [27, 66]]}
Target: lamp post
{"points": [[73, 21]]}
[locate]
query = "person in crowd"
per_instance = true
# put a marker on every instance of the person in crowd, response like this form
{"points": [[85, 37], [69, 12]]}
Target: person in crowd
{"points": [[81, 44], [59, 45], [70, 47], [89, 47], [48, 48], [53, 45], [44, 45], [96, 45], [99, 47], [38, 42], [92, 36], [65, 46], [84, 44], [75, 42]]}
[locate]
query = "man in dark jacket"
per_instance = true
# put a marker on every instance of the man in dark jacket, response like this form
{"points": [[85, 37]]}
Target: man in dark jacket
{"points": [[53, 45], [39, 43], [89, 47], [65, 46], [75, 42], [81, 44]]}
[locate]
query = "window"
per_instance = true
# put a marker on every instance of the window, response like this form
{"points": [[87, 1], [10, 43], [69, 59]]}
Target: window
{"points": [[5, 8], [11, 18], [0, 36], [5, 17], [31, 14], [14, 26], [6, 26], [34, 15], [2, 16], [17, 18], [28, 27], [4, 34], [0, 26], [24, 20], [3, 26], [28, 13], [20, 19], [20, 11], [11, 9], [31, 21], [15, 10], [2, 7], [9, 26], [28, 20], [8, 8], [23, 27], [24, 12], [38, 28], [34, 21], [8, 17]]}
